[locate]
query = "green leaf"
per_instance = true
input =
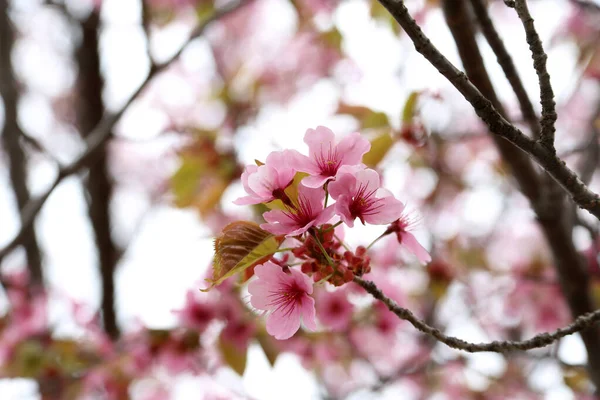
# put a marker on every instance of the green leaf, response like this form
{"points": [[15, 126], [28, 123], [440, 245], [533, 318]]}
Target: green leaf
{"points": [[241, 245], [184, 181], [204, 10], [375, 120], [410, 107], [269, 347], [368, 118], [380, 13], [380, 146], [333, 38], [27, 360], [291, 191], [232, 356]]}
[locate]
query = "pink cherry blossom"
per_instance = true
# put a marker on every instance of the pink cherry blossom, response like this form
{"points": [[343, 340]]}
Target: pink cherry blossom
{"points": [[297, 219], [325, 157], [334, 310], [359, 195], [402, 227], [196, 314], [267, 182], [286, 297]]}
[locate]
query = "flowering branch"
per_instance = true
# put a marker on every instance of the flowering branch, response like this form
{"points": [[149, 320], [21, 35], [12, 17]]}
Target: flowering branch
{"points": [[539, 63], [497, 124], [96, 139], [542, 340]]}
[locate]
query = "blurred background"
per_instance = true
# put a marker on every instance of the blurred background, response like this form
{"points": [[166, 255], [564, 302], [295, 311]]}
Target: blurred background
{"points": [[110, 197]]}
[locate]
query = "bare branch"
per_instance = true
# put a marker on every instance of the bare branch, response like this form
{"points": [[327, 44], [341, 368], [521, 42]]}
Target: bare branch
{"points": [[539, 63], [505, 61], [11, 135], [98, 136], [498, 125], [538, 341]]}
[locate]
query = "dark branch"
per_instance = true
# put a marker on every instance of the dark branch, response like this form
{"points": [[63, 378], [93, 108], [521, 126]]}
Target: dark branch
{"points": [[546, 198], [498, 125], [98, 183], [505, 61], [542, 340], [539, 63], [99, 135], [11, 135]]}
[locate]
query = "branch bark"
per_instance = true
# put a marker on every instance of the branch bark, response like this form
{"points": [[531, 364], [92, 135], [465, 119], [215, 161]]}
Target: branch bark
{"points": [[11, 140], [539, 63], [498, 125], [98, 136], [98, 183], [580, 324], [550, 207], [506, 63]]}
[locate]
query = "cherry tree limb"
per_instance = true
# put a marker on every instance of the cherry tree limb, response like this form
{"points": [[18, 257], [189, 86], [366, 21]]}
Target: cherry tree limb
{"points": [[498, 125], [538, 341], [12, 143], [99, 135], [539, 63], [506, 63]]}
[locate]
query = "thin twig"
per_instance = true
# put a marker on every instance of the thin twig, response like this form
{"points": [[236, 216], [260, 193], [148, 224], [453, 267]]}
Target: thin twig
{"points": [[101, 132], [542, 340], [539, 63]]}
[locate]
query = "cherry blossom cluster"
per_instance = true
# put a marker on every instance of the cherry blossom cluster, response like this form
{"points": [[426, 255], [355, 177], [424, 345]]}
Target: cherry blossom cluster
{"points": [[335, 188]]}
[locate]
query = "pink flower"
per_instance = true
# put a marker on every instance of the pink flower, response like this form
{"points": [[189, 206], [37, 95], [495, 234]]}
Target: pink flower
{"points": [[359, 195], [406, 239], [298, 218], [196, 314], [325, 157], [334, 309], [285, 297], [267, 182]]}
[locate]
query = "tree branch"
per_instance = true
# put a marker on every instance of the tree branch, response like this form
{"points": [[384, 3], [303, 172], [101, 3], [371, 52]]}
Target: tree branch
{"points": [[538, 341], [498, 125], [98, 183], [98, 136], [11, 135], [546, 198], [506, 63], [539, 63]]}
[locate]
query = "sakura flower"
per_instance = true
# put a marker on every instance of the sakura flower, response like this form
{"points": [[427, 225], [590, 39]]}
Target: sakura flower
{"points": [[407, 240], [267, 182], [359, 195], [334, 309], [196, 314], [325, 157], [298, 218], [285, 297]]}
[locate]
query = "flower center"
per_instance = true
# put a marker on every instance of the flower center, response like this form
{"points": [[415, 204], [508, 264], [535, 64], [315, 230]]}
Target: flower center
{"points": [[286, 298], [328, 161]]}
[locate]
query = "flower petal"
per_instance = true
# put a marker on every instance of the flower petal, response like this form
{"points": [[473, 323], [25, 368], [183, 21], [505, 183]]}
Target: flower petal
{"points": [[344, 184], [315, 181], [411, 243], [284, 322], [318, 139], [307, 308], [352, 148], [386, 211], [342, 208]]}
